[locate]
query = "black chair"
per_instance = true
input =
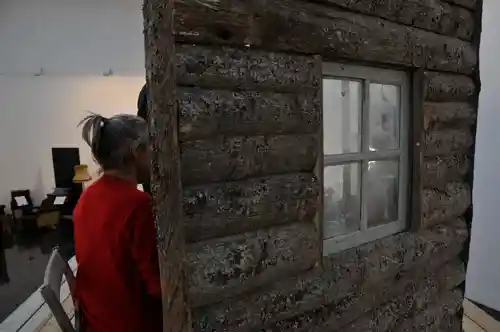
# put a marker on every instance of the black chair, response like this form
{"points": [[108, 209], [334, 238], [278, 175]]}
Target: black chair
{"points": [[23, 210], [21, 200]]}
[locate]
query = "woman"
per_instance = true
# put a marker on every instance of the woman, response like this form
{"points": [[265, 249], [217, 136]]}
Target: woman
{"points": [[118, 280]]}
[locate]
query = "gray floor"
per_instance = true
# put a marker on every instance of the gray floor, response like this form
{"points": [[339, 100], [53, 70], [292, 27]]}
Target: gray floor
{"points": [[26, 259], [25, 267]]}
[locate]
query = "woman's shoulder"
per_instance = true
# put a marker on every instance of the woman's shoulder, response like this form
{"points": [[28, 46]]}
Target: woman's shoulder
{"points": [[115, 192]]}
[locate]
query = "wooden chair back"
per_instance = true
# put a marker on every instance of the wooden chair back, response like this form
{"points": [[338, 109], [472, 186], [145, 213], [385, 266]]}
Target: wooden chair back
{"points": [[57, 268]]}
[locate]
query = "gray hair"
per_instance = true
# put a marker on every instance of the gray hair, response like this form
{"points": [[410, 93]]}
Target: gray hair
{"points": [[112, 140]]}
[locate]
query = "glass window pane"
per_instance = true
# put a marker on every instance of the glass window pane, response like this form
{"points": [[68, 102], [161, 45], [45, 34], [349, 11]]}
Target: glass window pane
{"points": [[342, 206], [381, 198], [384, 108], [341, 116]]}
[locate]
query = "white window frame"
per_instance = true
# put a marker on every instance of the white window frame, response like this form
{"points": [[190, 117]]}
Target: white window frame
{"points": [[367, 75]]}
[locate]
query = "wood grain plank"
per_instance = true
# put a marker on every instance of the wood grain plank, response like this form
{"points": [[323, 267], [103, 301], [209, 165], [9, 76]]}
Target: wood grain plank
{"points": [[235, 158], [441, 87], [310, 28], [227, 208], [433, 15], [231, 68], [207, 113], [230, 266]]}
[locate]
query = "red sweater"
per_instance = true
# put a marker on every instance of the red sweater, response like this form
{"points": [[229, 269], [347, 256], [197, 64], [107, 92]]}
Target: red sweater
{"points": [[118, 279]]}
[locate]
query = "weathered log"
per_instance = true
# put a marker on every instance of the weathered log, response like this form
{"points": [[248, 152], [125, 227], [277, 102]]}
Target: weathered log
{"points": [[438, 171], [446, 87], [438, 317], [437, 16], [432, 15], [165, 162], [414, 298], [471, 4], [308, 28], [243, 69], [343, 272], [228, 267], [223, 209], [447, 141], [361, 301], [447, 323], [448, 204], [438, 115], [235, 158], [207, 113]]}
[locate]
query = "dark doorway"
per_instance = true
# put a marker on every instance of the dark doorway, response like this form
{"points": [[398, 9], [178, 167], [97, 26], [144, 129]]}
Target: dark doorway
{"points": [[64, 160]]}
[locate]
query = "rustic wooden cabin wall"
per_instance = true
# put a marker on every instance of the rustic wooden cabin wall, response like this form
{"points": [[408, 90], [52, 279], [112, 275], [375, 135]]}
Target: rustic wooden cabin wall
{"points": [[249, 83]]}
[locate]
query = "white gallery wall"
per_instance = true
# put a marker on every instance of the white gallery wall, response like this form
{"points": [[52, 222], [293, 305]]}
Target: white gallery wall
{"points": [[73, 43], [483, 274]]}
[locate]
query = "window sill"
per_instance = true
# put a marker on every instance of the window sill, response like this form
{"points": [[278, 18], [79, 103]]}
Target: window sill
{"points": [[348, 241]]}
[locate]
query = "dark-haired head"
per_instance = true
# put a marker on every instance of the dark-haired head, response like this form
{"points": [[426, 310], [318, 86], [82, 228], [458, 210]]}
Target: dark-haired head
{"points": [[119, 143], [142, 103]]}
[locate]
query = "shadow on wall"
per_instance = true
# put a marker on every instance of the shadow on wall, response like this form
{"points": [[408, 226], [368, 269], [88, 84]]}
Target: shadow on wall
{"points": [[38, 192]]}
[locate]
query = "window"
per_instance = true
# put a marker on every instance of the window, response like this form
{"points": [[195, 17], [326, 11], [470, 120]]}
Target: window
{"points": [[365, 154]]}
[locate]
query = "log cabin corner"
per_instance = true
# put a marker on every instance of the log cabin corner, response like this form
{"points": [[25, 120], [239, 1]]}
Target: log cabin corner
{"points": [[313, 161]]}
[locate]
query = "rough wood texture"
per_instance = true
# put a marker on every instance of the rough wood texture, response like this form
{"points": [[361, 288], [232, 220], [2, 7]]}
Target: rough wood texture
{"points": [[438, 171], [447, 323], [472, 4], [296, 26], [443, 205], [402, 290], [242, 69], [344, 272], [441, 87], [430, 15], [235, 158], [439, 115], [437, 317], [236, 207], [414, 298], [249, 96], [207, 113], [447, 141], [227, 267], [166, 178]]}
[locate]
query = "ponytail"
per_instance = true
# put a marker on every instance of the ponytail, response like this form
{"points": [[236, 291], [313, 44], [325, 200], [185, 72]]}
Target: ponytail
{"points": [[92, 128], [113, 140]]}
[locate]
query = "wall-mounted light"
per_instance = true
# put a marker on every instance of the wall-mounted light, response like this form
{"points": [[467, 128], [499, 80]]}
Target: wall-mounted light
{"points": [[107, 73], [40, 73]]}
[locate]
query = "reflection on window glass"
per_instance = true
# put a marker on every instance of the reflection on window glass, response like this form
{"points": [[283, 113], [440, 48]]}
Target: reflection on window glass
{"points": [[341, 116], [342, 204], [382, 192], [384, 110]]}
